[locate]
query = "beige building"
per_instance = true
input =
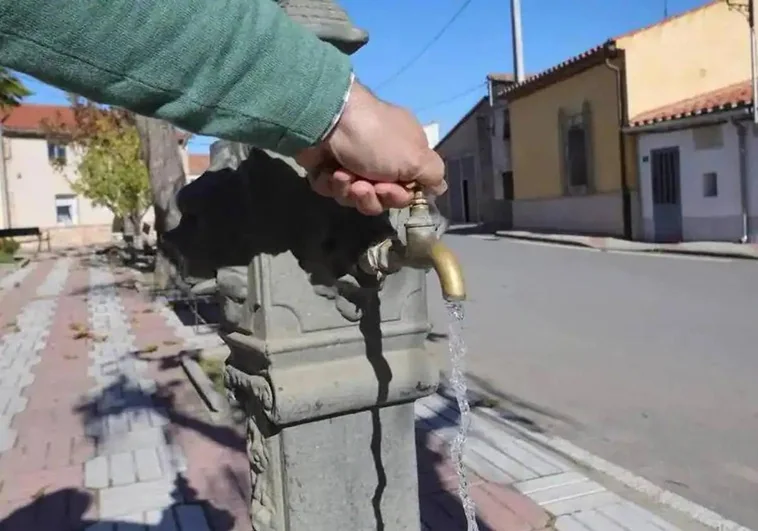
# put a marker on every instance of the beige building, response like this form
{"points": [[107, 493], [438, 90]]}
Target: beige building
{"points": [[34, 194], [575, 170]]}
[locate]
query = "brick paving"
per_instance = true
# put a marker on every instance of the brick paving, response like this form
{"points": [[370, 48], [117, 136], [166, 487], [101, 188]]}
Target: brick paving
{"points": [[101, 430]]}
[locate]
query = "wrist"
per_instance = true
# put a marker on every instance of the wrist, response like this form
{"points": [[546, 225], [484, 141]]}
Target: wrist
{"points": [[341, 111]]}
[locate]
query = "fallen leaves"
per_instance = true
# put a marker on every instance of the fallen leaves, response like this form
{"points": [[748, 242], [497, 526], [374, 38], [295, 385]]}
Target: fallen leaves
{"points": [[40, 493], [83, 332]]}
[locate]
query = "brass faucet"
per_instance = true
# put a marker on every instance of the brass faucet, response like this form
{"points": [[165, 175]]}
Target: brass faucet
{"points": [[422, 250]]}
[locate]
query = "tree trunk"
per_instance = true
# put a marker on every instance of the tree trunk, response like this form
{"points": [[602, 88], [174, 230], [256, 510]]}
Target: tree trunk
{"points": [[160, 151], [132, 235]]}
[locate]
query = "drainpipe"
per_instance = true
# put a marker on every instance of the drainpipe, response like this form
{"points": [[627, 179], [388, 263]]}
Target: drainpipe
{"points": [[621, 109], [742, 160], [4, 180], [752, 14]]}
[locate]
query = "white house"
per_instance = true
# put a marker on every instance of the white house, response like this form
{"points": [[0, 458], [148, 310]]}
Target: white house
{"points": [[698, 168], [34, 194]]}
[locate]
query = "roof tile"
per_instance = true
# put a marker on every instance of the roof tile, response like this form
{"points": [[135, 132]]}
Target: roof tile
{"points": [[30, 117], [198, 163], [726, 98]]}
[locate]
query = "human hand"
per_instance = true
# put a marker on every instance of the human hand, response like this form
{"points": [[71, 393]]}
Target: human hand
{"points": [[374, 152]]}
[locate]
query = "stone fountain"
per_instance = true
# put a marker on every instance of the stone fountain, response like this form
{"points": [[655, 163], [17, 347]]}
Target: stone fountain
{"points": [[326, 328]]}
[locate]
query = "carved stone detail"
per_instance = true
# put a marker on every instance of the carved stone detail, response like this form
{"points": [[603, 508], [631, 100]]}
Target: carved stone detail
{"points": [[255, 396]]}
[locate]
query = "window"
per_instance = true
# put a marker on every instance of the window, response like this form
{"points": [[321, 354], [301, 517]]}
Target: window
{"points": [[506, 125], [709, 137], [576, 149], [56, 152], [710, 184], [576, 152], [484, 140], [65, 210]]}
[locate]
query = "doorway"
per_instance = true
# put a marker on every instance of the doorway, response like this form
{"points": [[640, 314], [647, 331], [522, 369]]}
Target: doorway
{"points": [[667, 201], [507, 177], [507, 214], [466, 212]]}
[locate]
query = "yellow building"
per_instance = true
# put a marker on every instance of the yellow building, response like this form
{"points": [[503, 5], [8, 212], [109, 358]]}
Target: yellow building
{"points": [[573, 168]]}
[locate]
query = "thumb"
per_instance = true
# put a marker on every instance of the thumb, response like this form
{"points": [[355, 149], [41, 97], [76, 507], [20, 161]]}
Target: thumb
{"points": [[431, 173]]}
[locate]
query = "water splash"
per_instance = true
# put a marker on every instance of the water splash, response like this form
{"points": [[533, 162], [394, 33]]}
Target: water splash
{"points": [[458, 381]]}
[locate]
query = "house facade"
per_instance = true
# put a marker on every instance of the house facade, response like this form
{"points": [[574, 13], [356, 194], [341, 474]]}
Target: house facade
{"points": [[34, 193], [574, 168], [476, 152], [698, 168]]}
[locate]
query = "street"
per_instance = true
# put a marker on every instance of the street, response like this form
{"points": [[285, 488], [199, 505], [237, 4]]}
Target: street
{"points": [[648, 361]]}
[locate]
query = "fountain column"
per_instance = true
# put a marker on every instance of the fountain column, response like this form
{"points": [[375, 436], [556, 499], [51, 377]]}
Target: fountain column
{"points": [[327, 376], [325, 361]]}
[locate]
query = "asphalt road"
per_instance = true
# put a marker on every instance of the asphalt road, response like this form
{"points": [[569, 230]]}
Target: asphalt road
{"points": [[650, 362]]}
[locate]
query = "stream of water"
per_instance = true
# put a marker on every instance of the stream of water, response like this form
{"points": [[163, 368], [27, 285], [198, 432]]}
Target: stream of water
{"points": [[458, 381]]}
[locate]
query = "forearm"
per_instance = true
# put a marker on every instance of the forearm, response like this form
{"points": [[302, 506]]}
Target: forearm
{"points": [[235, 69]]}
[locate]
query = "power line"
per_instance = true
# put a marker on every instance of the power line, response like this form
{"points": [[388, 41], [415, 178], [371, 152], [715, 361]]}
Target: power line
{"points": [[453, 98], [428, 45]]}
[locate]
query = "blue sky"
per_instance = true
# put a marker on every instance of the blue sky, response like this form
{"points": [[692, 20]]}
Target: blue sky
{"points": [[478, 42]]}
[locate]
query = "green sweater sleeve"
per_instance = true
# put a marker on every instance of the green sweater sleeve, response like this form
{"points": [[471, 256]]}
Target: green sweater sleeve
{"points": [[240, 70]]}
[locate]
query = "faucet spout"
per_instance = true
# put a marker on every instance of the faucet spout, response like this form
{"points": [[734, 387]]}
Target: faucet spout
{"points": [[449, 272], [422, 250]]}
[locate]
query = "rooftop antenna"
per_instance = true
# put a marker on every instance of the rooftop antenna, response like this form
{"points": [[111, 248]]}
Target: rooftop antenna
{"points": [[665, 9]]}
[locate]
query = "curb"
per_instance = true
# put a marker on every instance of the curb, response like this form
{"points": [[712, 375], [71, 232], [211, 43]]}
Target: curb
{"points": [[690, 252], [585, 459], [546, 239], [200, 381], [599, 244]]}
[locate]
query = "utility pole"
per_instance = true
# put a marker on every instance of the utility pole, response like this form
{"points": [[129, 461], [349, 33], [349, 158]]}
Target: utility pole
{"points": [[753, 56], [518, 45]]}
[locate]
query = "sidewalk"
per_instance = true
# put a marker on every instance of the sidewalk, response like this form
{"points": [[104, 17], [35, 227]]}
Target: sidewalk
{"points": [[101, 430], [716, 249], [498, 454]]}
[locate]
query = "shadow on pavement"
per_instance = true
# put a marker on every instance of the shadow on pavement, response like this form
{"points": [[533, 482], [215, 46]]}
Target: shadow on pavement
{"points": [[440, 507], [508, 405], [69, 509], [463, 230], [125, 399], [436, 337]]}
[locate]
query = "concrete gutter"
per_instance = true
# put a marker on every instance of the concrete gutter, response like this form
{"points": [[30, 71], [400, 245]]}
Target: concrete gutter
{"points": [[715, 249]]}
